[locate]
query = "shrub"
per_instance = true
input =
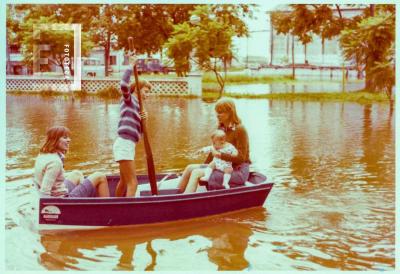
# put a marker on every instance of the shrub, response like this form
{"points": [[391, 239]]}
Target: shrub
{"points": [[109, 92]]}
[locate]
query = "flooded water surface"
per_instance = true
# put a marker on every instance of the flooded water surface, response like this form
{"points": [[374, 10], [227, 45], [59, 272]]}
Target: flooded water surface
{"points": [[332, 205]]}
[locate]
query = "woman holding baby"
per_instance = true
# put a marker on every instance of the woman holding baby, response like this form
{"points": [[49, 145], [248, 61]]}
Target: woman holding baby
{"points": [[235, 134]]}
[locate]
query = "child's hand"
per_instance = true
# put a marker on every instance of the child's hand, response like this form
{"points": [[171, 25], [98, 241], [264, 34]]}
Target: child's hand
{"points": [[215, 152], [204, 150], [143, 115]]}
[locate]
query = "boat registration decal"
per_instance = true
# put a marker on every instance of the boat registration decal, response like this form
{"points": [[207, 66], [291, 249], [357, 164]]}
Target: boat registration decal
{"points": [[50, 213]]}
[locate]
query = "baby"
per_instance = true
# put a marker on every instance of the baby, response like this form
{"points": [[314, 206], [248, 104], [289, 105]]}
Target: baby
{"points": [[219, 143]]}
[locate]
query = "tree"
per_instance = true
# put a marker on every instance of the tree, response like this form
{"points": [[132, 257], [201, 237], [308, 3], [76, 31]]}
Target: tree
{"points": [[180, 46], [302, 21], [12, 27], [150, 25], [104, 29], [210, 39], [56, 40], [361, 45], [371, 44], [53, 14]]}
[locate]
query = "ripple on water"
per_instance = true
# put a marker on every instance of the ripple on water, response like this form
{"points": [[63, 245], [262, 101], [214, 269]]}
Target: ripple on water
{"points": [[332, 205]]}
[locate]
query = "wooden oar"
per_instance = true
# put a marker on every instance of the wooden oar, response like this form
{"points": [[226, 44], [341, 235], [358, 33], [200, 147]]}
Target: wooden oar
{"points": [[149, 155]]}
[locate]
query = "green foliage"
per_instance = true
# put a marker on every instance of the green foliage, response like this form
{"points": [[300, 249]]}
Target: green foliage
{"points": [[240, 78], [179, 46], [149, 25], [361, 97], [11, 24], [209, 42], [371, 44], [366, 39], [42, 17], [304, 20]]}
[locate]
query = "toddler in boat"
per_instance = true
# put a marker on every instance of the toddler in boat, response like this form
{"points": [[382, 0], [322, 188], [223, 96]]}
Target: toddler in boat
{"points": [[219, 144]]}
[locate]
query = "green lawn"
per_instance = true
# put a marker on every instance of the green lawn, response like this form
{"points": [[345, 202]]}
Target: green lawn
{"points": [[358, 96]]}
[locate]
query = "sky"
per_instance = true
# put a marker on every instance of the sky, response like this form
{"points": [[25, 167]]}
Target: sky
{"points": [[258, 42]]}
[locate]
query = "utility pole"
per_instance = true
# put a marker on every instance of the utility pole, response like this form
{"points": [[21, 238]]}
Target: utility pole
{"points": [[293, 69]]}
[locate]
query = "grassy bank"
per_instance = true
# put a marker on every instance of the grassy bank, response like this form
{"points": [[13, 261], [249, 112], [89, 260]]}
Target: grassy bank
{"points": [[209, 78], [363, 97]]}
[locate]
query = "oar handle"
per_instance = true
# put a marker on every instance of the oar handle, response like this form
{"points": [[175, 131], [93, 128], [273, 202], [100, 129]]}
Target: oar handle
{"points": [[130, 43], [147, 147]]}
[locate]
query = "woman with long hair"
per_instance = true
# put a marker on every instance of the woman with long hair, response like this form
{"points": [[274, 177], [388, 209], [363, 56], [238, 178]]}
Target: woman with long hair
{"points": [[236, 134], [49, 174]]}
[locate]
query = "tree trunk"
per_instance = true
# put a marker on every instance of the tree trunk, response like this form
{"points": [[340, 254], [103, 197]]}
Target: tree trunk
{"points": [[71, 68], [107, 54], [368, 80], [287, 47], [220, 81], [305, 54], [372, 10]]}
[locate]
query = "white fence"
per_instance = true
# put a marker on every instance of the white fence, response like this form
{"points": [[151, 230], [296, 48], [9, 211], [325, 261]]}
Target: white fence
{"points": [[183, 86]]}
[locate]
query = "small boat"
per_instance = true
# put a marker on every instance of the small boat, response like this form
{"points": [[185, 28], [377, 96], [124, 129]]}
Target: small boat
{"points": [[168, 205]]}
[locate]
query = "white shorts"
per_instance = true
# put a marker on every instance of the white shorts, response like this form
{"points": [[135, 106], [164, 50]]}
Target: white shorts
{"points": [[123, 149]]}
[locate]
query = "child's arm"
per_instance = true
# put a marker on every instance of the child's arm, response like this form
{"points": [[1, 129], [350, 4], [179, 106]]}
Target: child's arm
{"points": [[206, 149], [126, 93], [125, 89]]}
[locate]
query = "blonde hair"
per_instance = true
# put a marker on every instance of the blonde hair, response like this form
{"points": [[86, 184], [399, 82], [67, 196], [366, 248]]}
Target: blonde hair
{"points": [[219, 135], [227, 105], [142, 83], [53, 135]]}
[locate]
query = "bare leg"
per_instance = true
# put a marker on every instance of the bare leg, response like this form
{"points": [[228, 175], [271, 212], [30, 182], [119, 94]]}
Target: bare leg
{"points": [[186, 175], [99, 181], [75, 177], [194, 180], [207, 172], [128, 179]]}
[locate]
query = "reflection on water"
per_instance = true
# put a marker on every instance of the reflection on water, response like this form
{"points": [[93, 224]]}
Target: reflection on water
{"points": [[217, 238], [332, 206]]}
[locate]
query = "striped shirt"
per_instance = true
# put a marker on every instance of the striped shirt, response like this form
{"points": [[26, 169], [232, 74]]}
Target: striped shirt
{"points": [[129, 126]]}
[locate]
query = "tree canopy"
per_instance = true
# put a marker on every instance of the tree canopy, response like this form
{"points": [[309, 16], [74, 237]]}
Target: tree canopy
{"points": [[370, 44], [208, 42], [367, 39]]}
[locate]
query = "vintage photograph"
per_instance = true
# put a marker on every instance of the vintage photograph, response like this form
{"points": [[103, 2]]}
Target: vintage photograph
{"points": [[199, 137]]}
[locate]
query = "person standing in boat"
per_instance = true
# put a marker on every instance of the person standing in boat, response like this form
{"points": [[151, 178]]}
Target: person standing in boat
{"points": [[129, 131], [49, 170], [236, 134]]}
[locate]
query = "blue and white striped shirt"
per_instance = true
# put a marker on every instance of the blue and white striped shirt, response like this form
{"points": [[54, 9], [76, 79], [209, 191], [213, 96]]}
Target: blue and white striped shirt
{"points": [[129, 123]]}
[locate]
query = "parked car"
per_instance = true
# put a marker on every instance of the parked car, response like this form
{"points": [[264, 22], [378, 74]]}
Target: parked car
{"points": [[151, 65]]}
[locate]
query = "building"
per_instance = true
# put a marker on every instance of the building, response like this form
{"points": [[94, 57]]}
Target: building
{"points": [[317, 52]]}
